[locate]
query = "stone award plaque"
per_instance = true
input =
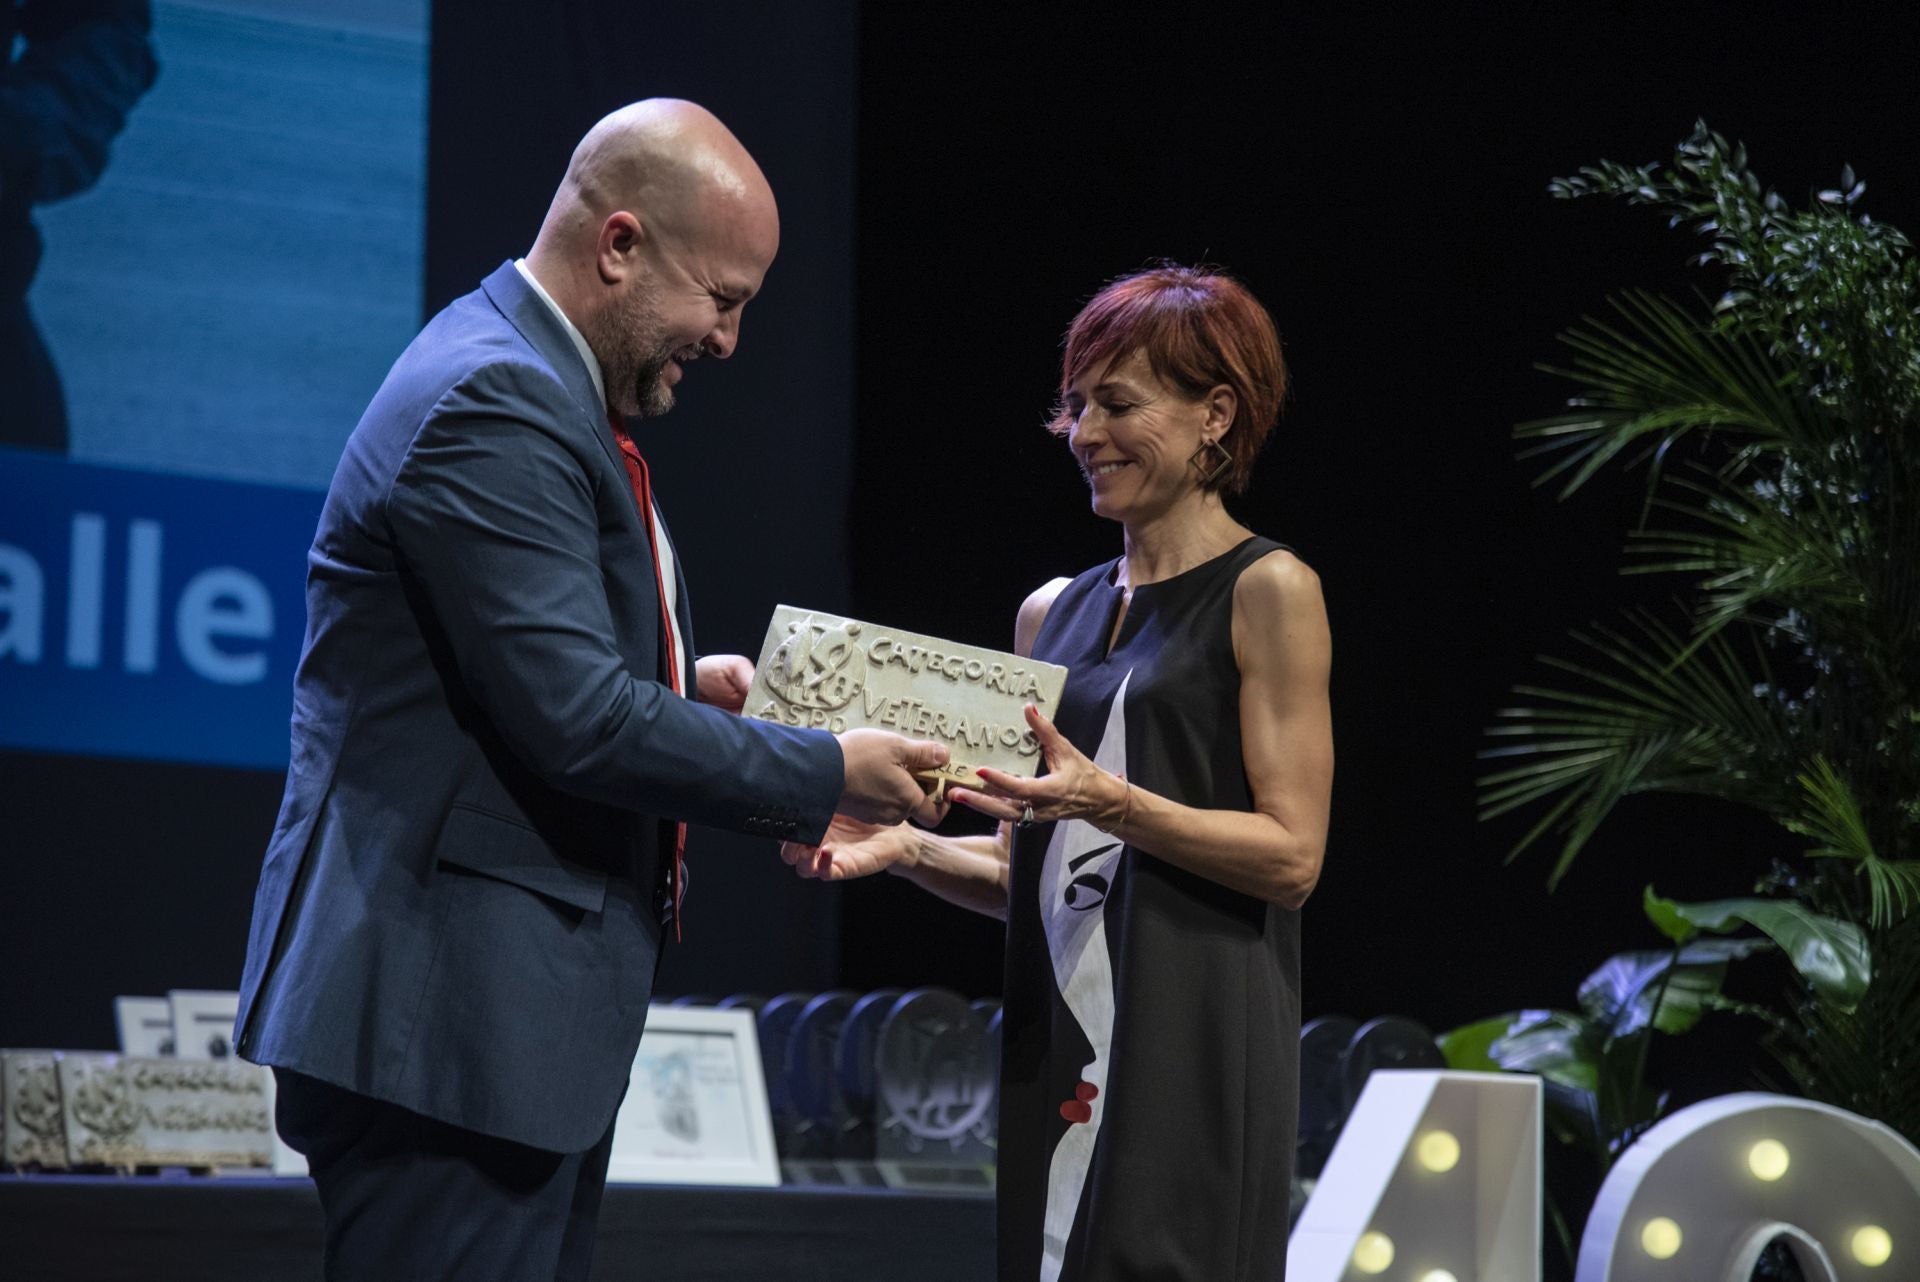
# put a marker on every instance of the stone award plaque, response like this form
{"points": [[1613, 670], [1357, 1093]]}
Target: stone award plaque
{"points": [[164, 1112], [832, 673], [936, 1084], [33, 1130]]}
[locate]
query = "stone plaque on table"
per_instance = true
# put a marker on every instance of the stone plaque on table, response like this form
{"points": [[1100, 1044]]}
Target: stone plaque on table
{"points": [[32, 1130], [127, 1112], [833, 673]]}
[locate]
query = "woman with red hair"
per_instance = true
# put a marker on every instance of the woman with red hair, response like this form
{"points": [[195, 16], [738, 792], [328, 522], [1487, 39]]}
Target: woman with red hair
{"points": [[1151, 879]]}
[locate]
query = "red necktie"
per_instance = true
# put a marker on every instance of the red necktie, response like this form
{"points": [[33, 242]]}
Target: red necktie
{"points": [[643, 491]]}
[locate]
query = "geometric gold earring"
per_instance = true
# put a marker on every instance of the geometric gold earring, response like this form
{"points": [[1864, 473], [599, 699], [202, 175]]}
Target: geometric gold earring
{"points": [[1211, 460]]}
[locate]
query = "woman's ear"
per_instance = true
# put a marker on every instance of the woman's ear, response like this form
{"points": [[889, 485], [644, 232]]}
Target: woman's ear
{"points": [[1222, 405]]}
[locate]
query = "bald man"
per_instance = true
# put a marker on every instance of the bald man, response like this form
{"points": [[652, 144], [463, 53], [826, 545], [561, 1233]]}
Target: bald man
{"points": [[499, 730]]}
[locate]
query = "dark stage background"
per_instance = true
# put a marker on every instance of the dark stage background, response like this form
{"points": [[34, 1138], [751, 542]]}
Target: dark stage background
{"points": [[1380, 182], [954, 182]]}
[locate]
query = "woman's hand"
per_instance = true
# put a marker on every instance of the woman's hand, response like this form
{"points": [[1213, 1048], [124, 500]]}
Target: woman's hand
{"points": [[1072, 788], [852, 848], [723, 680]]}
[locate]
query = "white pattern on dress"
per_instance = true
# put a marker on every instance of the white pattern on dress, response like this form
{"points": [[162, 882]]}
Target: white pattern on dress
{"points": [[1074, 879]]}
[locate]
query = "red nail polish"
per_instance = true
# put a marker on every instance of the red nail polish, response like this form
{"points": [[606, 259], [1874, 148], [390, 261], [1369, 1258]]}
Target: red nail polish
{"points": [[1075, 1111], [1086, 1092]]}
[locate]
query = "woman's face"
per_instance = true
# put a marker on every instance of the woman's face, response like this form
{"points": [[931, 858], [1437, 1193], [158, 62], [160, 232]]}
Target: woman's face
{"points": [[1132, 435]]}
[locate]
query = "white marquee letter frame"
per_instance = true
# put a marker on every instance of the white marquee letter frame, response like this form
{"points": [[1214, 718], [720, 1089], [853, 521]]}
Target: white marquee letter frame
{"points": [[1479, 1218], [1842, 1173]]}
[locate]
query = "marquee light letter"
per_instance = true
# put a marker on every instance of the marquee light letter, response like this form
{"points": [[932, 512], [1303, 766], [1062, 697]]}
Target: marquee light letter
{"points": [[1702, 1194], [1436, 1176]]}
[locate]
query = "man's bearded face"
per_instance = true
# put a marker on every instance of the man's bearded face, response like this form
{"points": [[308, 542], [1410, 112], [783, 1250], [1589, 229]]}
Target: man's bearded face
{"points": [[634, 351]]}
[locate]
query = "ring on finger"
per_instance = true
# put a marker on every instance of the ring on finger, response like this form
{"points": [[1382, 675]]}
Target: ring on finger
{"points": [[1026, 817]]}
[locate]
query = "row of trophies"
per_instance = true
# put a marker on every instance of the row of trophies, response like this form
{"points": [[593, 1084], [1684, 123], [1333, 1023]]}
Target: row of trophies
{"points": [[889, 1087], [895, 1077]]}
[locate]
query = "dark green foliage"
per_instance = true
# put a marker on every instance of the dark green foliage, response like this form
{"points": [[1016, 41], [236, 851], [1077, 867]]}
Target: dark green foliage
{"points": [[1778, 427], [1865, 1059], [1593, 1060]]}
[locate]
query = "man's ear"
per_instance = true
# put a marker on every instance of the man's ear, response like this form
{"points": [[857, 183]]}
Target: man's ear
{"points": [[617, 252]]}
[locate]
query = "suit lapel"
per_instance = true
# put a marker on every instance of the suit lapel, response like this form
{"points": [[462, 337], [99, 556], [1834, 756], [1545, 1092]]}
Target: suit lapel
{"points": [[535, 321], [509, 292]]}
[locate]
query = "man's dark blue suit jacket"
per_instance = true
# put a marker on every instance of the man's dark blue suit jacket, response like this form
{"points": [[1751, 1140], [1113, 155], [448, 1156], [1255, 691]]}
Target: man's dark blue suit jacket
{"points": [[459, 906]]}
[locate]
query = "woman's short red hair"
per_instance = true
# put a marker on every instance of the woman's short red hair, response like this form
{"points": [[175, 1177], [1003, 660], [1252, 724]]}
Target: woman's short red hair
{"points": [[1199, 328]]}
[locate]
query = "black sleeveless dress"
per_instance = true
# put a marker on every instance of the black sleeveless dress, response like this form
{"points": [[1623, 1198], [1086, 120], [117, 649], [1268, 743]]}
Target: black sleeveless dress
{"points": [[1150, 1065]]}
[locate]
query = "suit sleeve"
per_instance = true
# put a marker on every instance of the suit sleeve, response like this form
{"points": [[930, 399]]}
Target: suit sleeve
{"points": [[494, 517]]}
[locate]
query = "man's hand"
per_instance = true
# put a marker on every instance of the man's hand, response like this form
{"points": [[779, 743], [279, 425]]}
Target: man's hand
{"points": [[722, 680], [880, 787]]}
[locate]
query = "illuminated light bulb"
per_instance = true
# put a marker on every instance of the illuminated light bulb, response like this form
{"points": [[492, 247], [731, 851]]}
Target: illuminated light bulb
{"points": [[1660, 1238], [1438, 1275], [1438, 1150], [1767, 1159], [1871, 1245], [1373, 1253]]}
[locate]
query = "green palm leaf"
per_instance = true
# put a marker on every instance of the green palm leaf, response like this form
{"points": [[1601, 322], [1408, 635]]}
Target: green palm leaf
{"points": [[1756, 556], [1656, 716], [1658, 375], [1793, 405], [1830, 815]]}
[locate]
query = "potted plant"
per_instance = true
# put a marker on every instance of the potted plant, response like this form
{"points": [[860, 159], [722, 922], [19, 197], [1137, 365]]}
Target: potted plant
{"points": [[1777, 425]]}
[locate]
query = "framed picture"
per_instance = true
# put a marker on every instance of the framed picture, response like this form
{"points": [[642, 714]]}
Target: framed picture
{"points": [[145, 1024], [203, 1023], [696, 1111]]}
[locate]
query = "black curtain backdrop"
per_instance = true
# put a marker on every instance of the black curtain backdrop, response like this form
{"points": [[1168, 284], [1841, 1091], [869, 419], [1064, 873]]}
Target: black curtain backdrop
{"points": [[120, 877], [752, 466], [1378, 176], [1379, 180]]}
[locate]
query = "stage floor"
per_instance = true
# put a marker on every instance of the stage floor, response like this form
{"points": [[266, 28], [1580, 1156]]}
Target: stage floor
{"points": [[81, 1228]]}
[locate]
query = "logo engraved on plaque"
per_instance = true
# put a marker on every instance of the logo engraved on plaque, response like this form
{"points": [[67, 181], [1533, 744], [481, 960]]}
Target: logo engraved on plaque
{"points": [[33, 1098], [814, 667], [821, 671], [104, 1104]]}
